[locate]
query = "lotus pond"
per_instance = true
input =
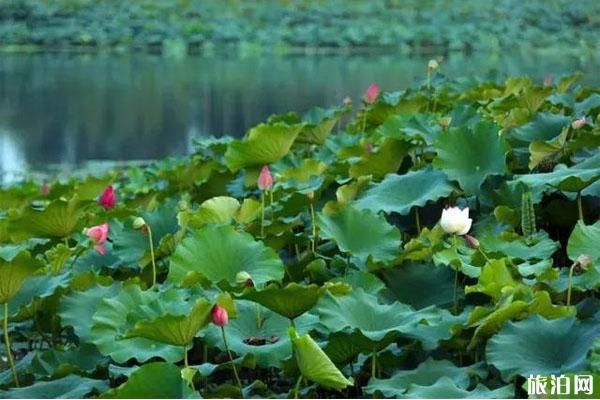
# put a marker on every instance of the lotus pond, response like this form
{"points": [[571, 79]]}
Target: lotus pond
{"points": [[441, 241]]}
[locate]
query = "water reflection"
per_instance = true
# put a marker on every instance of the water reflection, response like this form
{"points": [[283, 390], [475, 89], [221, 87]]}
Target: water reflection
{"points": [[71, 108], [12, 160]]}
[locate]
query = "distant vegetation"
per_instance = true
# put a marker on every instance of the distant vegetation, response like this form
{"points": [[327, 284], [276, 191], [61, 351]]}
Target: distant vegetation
{"points": [[189, 26]]}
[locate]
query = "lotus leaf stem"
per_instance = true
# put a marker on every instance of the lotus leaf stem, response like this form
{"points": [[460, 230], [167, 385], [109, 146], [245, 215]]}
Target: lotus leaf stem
{"points": [[9, 355], [579, 206], [374, 363], [297, 387], [455, 239], [418, 220], [152, 255], [262, 216], [314, 228], [186, 364], [237, 377], [484, 255], [258, 321], [571, 270]]}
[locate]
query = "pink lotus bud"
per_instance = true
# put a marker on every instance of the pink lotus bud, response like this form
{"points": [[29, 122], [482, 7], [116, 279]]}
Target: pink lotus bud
{"points": [[456, 221], [108, 198], [472, 242], [45, 189], [371, 93], [347, 100], [98, 234], [548, 80], [579, 123], [219, 316], [265, 180]]}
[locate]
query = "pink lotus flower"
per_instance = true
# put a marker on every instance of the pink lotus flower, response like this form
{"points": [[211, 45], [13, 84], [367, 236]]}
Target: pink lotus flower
{"points": [[98, 234], [456, 221], [371, 93], [579, 123], [548, 80], [219, 315], [45, 189], [108, 198], [265, 179]]}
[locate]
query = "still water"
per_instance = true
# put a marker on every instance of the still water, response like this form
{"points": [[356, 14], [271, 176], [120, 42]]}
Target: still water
{"points": [[66, 109]]}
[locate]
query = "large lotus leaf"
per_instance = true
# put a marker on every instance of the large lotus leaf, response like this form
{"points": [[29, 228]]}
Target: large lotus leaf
{"points": [[496, 277], [155, 380], [342, 347], [319, 123], [218, 253], [572, 179], [445, 388], [361, 233], [78, 308], [538, 247], [399, 193], [426, 374], [290, 301], [594, 357], [585, 240], [69, 387], [543, 127], [35, 287], [546, 150], [363, 312], [178, 330], [58, 220], [265, 144], [385, 159], [540, 346], [13, 274], [590, 103], [314, 364], [422, 127], [420, 284], [118, 315], [367, 281], [268, 341], [218, 210], [470, 154], [51, 363], [130, 245]]}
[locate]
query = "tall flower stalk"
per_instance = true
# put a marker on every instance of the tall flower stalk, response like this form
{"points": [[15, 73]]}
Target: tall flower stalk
{"points": [[221, 318], [265, 184], [11, 361], [140, 224]]}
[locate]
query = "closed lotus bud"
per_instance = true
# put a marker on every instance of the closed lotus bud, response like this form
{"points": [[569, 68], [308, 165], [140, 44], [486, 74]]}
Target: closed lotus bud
{"points": [[584, 261], [472, 242], [139, 223], [456, 221], [445, 122], [45, 189], [432, 66], [243, 278], [579, 123], [108, 198], [311, 196], [371, 93], [219, 315], [548, 80], [265, 179]]}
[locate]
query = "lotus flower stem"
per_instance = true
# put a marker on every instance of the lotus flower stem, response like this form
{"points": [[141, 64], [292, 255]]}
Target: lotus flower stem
{"points": [[297, 387], [454, 237], [374, 363], [484, 255], [262, 216], [152, 255], [186, 364], [570, 283], [364, 121], [314, 228], [418, 220], [579, 206], [258, 321], [11, 361], [237, 377], [270, 198]]}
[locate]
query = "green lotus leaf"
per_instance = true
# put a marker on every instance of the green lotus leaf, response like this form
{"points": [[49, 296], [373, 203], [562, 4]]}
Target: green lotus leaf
{"points": [[471, 154], [13, 274], [380, 322], [218, 253], [361, 233], [69, 387], [54, 363], [319, 122], [427, 374], [342, 347], [399, 193], [446, 388], [58, 220], [156, 380], [424, 128], [540, 346], [367, 281], [264, 144], [77, 309], [546, 150], [584, 240], [594, 357], [314, 364], [588, 104], [218, 210], [412, 283], [568, 179], [131, 246], [178, 330], [542, 127], [268, 340], [290, 301], [116, 316], [496, 277], [302, 172], [383, 160], [10, 251], [36, 287], [538, 247]]}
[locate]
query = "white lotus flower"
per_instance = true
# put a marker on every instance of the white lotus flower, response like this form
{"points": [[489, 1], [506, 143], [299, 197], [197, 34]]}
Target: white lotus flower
{"points": [[456, 221]]}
